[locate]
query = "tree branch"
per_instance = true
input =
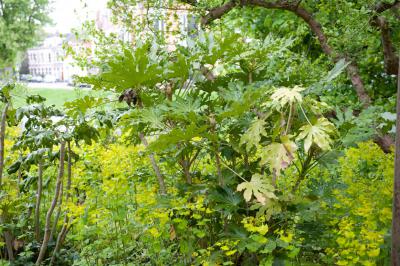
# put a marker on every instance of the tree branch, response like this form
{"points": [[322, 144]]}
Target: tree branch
{"points": [[190, 2], [389, 51], [218, 12], [382, 7], [315, 26]]}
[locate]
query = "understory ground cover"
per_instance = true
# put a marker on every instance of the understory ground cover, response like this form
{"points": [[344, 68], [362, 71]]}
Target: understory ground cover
{"points": [[255, 133]]}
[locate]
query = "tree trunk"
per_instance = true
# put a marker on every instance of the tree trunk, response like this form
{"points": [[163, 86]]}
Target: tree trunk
{"points": [[47, 231], [396, 187], [38, 200], [8, 239], [156, 169], [185, 163]]}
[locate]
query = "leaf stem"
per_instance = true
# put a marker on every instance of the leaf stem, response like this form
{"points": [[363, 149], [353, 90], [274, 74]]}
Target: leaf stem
{"points": [[304, 113], [233, 171]]}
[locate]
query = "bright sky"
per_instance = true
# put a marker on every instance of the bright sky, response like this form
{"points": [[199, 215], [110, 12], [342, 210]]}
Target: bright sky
{"points": [[68, 14]]}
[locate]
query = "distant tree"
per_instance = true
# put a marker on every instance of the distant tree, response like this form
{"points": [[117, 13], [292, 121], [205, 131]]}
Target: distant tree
{"points": [[24, 66], [21, 22]]}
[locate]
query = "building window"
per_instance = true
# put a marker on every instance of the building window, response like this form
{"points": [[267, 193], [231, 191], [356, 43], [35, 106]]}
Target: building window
{"points": [[183, 23], [159, 25], [192, 26]]}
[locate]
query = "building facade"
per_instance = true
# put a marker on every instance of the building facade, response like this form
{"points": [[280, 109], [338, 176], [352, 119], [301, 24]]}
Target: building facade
{"points": [[49, 60]]}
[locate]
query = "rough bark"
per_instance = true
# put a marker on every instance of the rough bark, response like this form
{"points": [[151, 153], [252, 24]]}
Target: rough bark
{"points": [[186, 169], [47, 231], [385, 142], [38, 200], [218, 12], [383, 6], [396, 187], [8, 239], [391, 59], [389, 52], [353, 72]]}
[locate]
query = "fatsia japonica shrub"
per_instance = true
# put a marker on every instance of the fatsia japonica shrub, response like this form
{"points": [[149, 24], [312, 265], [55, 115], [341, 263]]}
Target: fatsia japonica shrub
{"points": [[229, 143]]}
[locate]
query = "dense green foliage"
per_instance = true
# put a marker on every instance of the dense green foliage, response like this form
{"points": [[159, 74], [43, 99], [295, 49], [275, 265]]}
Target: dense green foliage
{"points": [[234, 148], [21, 24]]}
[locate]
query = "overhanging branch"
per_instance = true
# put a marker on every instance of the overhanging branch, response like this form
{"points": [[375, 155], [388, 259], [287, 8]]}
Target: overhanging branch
{"points": [[315, 26], [218, 12], [389, 51], [382, 7]]}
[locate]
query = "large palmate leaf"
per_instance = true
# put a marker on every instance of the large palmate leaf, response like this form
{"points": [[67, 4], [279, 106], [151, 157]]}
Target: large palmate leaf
{"points": [[283, 96], [225, 199], [240, 99], [319, 134], [278, 155], [253, 135], [259, 187], [80, 106], [131, 68], [152, 116], [176, 136], [182, 106], [271, 207], [86, 132]]}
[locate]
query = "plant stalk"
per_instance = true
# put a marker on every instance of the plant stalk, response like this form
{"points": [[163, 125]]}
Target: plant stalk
{"points": [[65, 227], [47, 231], [38, 200]]}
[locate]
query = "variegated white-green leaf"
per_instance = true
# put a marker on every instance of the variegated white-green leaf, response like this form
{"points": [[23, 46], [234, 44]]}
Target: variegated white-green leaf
{"points": [[389, 116], [283, 96], [279, 155], [319, 134], [253, 135], [259, 187]]}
